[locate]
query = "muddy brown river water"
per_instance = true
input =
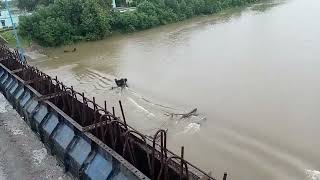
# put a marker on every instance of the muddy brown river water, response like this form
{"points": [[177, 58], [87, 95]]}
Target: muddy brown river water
{"points": [[253, 73]]}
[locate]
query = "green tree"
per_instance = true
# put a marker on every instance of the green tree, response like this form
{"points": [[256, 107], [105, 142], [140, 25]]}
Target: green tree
{"points": [[54, 32], [45, 2], [173, 4], [127, 21], [2, 5], [28, 5], [147, 8], [94, 21], [66, 21]]}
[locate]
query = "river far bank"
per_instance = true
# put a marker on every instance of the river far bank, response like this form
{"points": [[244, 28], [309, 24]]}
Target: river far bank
{"points": [[35, 49], [64, 22]]}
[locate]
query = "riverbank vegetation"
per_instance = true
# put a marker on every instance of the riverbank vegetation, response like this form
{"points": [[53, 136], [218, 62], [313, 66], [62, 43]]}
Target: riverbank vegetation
{"points": [[9, 37], [66, 21]]}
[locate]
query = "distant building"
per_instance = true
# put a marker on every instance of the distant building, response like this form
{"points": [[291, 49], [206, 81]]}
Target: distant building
{"points": [[5, 21], [121, 3]]}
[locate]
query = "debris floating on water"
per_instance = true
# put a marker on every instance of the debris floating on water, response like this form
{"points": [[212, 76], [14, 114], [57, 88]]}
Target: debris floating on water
{"points": [[184, 115]]}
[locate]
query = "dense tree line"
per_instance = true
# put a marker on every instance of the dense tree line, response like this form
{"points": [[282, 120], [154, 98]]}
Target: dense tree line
{"points": [[11, 4], [66, 21], [158, 12], [30, 5]]}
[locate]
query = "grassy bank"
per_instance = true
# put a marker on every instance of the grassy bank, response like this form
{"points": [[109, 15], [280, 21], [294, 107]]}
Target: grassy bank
{"points": [[65, 21], [9, 37]]}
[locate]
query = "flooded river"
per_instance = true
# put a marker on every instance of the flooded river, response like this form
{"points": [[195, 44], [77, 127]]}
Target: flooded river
{"points": [[253, 73]]}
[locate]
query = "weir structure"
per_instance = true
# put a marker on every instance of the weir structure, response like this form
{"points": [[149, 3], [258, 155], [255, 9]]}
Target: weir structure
{"points": [[90, 141]]}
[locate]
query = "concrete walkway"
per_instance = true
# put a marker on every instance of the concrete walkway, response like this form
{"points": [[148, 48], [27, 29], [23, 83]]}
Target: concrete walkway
{"points": [[22, 155]]}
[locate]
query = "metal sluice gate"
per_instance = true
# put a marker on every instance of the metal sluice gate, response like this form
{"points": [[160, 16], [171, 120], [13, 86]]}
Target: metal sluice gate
{"points": [[90, 141]]}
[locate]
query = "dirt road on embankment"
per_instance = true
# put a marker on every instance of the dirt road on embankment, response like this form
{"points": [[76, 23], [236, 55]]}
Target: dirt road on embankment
{"points": [[22, 155]]}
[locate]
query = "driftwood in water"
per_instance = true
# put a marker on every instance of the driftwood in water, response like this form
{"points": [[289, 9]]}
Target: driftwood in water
{"points": [[74, 50], [185, 115]]}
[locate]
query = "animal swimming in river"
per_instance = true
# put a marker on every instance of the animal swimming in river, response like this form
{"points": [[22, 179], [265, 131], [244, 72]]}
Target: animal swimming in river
{"points": [[74, 50], [121, 82]]}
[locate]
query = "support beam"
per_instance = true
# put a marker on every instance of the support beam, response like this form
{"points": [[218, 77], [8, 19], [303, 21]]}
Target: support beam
{"points": [[50, 96], [93, 126], [17, 70]]}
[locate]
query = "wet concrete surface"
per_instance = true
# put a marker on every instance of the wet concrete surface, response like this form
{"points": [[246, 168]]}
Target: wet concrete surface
{"points": [[22, 155]]}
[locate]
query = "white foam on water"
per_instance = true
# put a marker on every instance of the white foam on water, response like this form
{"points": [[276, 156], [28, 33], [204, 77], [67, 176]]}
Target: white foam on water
{"points": [[192, 128], [140, 107], [313, 174], [39, 155]]}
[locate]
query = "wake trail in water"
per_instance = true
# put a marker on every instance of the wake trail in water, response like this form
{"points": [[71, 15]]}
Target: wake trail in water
{"points": [[190, 124], [105, 80], [140, 107], [101, 81], [149, 101], [191, 128]]}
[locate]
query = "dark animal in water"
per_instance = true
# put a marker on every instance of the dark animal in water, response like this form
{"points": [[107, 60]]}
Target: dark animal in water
{"points": [[74, 50], [121, 82]]}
